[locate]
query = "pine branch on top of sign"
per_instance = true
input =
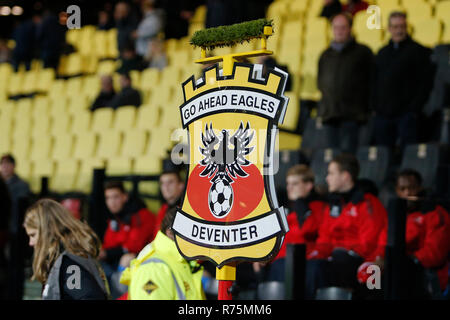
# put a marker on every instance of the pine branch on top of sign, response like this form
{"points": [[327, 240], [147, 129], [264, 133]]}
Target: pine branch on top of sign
{"points": [[228, 36]]}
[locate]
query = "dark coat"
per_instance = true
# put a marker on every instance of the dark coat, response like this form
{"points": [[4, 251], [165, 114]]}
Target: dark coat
{"points": [[402, 80], [126, 97], [344, 80]]}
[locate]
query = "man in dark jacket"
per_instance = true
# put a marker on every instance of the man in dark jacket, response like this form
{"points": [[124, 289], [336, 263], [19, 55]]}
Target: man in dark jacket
{"points": [[106, 94], [401, 85], [344, 80], [128, 96]]}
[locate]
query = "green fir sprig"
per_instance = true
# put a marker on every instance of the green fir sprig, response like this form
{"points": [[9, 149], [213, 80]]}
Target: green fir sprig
{"points": [[228, 36]]}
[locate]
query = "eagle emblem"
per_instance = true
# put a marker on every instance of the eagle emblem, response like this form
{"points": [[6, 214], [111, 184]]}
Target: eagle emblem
{"points": [[223, 160]]}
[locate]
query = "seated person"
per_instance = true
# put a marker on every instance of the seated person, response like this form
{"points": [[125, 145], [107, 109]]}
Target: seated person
{"points": [[130, 228], [304, 219], [127, 96], [106, 94], [427, 236], [172, 187], [331, 8], [351, 224]]}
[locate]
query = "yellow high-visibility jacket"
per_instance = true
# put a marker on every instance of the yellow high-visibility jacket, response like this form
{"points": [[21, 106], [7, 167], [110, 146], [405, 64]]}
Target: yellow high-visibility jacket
{"points": [[160, 273]]}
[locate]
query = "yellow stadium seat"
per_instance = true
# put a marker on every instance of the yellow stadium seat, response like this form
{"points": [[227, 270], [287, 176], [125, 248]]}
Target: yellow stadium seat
{"points": [[84, 180], [65, 176], [23, 108], [109, 145], [74, 64], [41, 126], [58, 106], [149, 78], [125, 118], [30, 82], [446, 33], [314, 10], [170, 76], [63, 147], [170, 117], [289, 141], [119, 166], [428, 32], [41, 106], [147, 166], [199, 15], [15, 83], [417, 11], [160, 142], [162, 95], [73, 86], [5, 142], [22, 128], [442, 10], [45, 79], [106, 67], [102, 119], [81, 122], [78, 103], [57, 89], [277, 9], [293, 112], [371, 38], [6, 71], [21, 148], [91, 86], [41, 148], [85, 145], [179, 58], [147, 117], [134, 143], [61, 125], [309, 90], [41, 169]]}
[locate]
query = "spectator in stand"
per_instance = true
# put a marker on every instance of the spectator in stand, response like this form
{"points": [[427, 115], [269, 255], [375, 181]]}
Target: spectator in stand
{"points": [[51, 36], [24, 35], [156, 56], [351, 224], [344, 80], [304, 219], [17, 187], [427, 240], [126, 24], [354, 6], [127, 96], [105, 21], [106, 94], [149, 28], [401, 85], [130, 60], [172, 187], [331, 8], [178, 14], [130, 228]]}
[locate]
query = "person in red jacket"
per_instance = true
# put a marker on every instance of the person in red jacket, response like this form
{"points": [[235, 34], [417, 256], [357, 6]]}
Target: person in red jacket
{"points": [[172, 187], [427, 237], [304, 219], [130, 228], [348, 234], [354, 6]]}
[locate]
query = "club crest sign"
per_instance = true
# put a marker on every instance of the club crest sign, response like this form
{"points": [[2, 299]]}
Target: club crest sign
{"points": [[230, 210]]}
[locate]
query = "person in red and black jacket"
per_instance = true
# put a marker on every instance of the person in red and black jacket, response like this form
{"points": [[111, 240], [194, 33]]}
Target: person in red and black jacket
{"points": [[348, 234], [427, 239], [172, 187], [130, 228], [306, 208]]}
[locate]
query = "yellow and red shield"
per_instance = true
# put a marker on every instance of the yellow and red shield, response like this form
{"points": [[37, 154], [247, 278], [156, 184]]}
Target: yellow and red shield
{"points": [[230, 210]]}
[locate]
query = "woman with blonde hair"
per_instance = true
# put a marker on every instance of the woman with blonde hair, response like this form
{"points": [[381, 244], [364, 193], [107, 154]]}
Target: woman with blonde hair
{"points": [[65, 253]]}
